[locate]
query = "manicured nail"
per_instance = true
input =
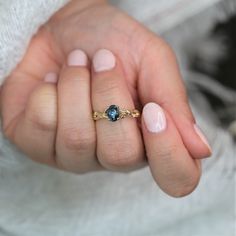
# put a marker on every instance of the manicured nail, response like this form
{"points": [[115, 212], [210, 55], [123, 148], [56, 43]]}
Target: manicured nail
{"points": [[103, 60], [202, 137], [51, 78], [77, 58], [154, 118]]}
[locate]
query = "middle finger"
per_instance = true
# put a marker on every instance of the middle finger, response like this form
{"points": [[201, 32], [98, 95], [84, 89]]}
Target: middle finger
{"points": [[76, 139]]}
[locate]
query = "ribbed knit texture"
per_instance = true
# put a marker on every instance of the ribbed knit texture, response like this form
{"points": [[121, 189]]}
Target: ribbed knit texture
{"points": [[19, 21], [36, 200]]}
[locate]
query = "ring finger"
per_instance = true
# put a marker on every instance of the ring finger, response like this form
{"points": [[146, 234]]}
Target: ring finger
{"points": [[119, 144]]}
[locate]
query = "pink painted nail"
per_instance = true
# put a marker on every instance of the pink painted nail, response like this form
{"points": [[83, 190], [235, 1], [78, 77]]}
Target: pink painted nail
{"points": [[202, 137], [51, 78], [154, 118], [103, 60], [77, 58]]}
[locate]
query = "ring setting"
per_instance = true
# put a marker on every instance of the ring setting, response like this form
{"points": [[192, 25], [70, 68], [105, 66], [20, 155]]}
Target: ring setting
{"points": [[114, 113]]}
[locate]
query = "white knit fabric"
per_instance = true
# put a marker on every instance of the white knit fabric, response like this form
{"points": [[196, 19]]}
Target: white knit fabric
{"points": [[36, 200], [19, 20]]}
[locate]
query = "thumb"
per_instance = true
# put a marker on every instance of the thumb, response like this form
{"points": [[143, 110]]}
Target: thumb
{"points": [[162, 83], [171, 165]]}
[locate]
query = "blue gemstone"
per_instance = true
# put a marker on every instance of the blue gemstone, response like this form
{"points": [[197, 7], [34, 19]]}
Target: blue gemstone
{"points": [[113, 113]]}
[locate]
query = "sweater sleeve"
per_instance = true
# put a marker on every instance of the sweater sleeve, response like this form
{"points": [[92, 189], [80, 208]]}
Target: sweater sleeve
{"points": [[19, 21]]}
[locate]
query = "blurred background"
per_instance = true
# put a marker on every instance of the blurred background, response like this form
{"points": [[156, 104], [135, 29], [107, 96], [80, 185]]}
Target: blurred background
{"points": [[36, 200]]}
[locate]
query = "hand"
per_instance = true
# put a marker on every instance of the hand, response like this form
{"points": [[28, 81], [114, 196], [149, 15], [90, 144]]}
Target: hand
{"points": [[52, 122]]}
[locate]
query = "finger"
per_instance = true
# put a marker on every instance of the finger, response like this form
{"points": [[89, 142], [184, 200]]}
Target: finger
{"points": [[76, 139], [171, 165], [162, 83], [119, 144], [29, 104], [34, 129]]}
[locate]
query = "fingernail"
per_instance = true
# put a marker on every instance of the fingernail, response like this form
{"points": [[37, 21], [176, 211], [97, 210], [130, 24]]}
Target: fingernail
{"points": [[77, 58], [202, 137], [51, 78], [103, 60], [154, 118]]}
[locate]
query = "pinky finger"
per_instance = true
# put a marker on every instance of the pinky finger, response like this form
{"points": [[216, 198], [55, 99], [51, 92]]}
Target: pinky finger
{"points": [[35, 130]]}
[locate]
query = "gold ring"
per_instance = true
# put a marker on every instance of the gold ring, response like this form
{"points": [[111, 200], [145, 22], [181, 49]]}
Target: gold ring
{"points": [[114, 113]]}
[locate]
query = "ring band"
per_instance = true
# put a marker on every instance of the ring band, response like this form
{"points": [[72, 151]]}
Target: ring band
{"points": [[114, 113]]}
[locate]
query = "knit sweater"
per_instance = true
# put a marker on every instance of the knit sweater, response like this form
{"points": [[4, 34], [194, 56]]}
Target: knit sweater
{"points": [[36, 200]]}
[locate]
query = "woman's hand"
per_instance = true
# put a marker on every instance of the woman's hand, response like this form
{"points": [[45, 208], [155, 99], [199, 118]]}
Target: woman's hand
{"points": [[52, 122]]}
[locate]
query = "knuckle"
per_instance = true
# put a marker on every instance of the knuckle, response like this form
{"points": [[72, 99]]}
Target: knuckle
{"points": [[77, 140], [120, 156], [40, 120], [112, 87], [166, 51], [41, 110], [182, 105], [166, 153]]}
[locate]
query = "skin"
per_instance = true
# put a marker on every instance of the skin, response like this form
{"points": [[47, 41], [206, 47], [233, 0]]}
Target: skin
{"points": [[40, 118]]}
